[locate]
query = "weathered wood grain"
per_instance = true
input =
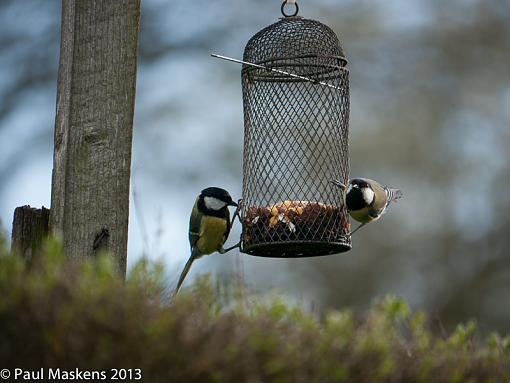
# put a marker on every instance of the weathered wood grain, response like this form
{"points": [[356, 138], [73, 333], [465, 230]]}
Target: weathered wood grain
{"points": [[29, 230], [94, 124]]}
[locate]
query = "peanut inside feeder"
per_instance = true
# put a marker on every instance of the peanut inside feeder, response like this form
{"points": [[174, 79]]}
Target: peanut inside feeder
{"points": [[295, 141]]}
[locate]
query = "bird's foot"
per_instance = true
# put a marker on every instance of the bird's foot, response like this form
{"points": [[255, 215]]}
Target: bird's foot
{"points": [[223, 250], [355, 230]]}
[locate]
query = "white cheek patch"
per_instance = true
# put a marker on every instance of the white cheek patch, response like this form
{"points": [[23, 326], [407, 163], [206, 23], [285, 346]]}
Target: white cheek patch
{"points": [[368, 195], [214, 203]]}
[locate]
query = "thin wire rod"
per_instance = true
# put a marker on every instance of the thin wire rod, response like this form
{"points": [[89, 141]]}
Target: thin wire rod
{"points": [[275, 70]]}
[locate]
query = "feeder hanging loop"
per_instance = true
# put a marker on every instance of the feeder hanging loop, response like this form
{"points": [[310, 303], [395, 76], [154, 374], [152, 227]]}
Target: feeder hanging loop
{"points": [[296, 10]]}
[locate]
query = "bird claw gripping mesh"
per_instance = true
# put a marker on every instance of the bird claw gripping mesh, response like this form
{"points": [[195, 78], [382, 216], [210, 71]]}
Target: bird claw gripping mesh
{"points": [[295, 141]]}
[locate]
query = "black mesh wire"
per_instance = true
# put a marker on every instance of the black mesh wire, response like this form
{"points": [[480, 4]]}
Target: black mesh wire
{"points": [[295, 142]]}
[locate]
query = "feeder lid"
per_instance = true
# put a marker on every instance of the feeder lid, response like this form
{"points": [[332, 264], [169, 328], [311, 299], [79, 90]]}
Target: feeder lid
{"points": [[295, 42]]}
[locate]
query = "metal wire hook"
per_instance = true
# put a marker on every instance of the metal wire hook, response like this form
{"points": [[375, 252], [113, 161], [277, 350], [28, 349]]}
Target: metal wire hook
{"points": [[296, 10], [236, 215], [236, 212]]}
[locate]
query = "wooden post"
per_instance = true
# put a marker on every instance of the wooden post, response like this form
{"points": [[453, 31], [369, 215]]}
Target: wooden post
{"points": [[29, 229], [93, 128]]}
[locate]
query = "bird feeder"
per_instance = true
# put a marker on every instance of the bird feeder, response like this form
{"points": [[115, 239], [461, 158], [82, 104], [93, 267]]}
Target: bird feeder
{"points": [[296, 124]]}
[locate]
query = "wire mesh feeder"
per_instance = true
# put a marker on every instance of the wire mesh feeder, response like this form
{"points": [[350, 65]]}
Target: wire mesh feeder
{"points": [[295, 141]]}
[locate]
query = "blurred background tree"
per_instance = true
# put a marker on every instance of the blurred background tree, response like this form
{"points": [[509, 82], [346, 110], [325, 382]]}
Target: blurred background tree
{"points": [[430, 113]]}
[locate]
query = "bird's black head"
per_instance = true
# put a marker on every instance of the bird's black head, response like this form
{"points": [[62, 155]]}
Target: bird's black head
{"points": [[360, 183], [214, 199], [359, 195]]}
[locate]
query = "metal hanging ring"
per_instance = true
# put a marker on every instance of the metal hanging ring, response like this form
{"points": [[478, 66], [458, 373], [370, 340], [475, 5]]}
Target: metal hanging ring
{"points": [[295, 11]]}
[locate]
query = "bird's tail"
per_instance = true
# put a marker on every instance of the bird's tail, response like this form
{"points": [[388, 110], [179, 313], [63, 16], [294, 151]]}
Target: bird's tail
{"points": [[185, 271], [392, 195]]}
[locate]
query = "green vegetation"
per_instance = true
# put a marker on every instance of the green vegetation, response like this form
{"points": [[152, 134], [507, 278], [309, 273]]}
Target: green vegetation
{"points": [[54, 313]]}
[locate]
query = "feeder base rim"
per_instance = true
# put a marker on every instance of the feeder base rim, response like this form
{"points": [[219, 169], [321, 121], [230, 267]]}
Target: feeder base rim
{"points": [[296, 249]]}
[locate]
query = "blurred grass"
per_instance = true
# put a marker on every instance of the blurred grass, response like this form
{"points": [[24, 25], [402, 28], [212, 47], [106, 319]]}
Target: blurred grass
{"points": [[54, 313]]}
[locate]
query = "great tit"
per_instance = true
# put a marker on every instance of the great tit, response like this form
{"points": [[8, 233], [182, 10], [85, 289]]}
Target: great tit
{"points": [[209, 226], [366, 200]]}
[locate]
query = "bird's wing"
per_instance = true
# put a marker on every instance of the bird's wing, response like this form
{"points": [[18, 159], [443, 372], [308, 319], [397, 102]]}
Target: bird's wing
{"points": [[194, 226], [227, 230], [380, 202]]}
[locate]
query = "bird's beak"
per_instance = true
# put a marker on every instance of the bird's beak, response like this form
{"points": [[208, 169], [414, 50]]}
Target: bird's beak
{"points": [[232, 204], [338, 183]]}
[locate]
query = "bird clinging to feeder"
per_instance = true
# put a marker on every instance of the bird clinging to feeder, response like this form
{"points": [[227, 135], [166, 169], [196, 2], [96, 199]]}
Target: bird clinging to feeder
{"points": [[209, 226], [366, 199]]}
